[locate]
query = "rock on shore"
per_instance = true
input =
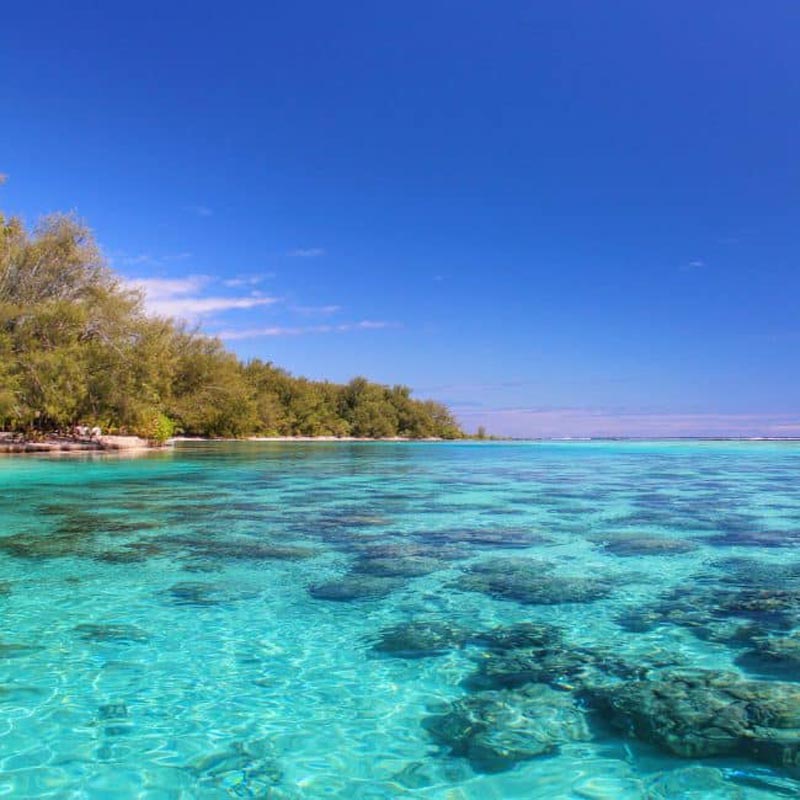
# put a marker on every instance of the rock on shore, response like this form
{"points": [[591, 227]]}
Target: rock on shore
{"points": [[14, 444]]}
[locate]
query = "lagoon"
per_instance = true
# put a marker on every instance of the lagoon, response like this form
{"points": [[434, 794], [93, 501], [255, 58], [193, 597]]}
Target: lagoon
{"points": [[385, 620]]}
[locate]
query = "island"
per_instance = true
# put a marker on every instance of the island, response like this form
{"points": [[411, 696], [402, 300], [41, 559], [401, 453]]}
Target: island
{"points": [[78, 349]]}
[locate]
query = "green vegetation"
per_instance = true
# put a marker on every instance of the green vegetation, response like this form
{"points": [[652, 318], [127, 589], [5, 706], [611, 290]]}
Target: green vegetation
{"points": [[76, 346]]}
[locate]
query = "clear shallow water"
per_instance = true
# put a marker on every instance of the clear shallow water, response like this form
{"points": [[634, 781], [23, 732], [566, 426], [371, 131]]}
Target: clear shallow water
{"points": [[184, 624]]}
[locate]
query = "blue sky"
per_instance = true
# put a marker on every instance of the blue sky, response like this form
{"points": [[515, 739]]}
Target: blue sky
{"points": [[562, 218]]}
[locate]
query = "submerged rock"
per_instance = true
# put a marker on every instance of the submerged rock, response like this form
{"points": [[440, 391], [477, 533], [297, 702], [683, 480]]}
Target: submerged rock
{"points": [[355, 587], [112, 711], [75, 534], [754, 572], [642, 544], [509, 538], [704, 713], [536, 653], [720, 613], [117, 633], [45, 545], [131, 553], [190, 593], [383, 550], [201, 566], [523, 635], [749, 538], [496, 730], [693, 783], [12, 650], [196, 593], [529, 581], [563, 667], [773, 655], [244, 769], [421, 638], [405, 567], [352, 519], [239, 549]]}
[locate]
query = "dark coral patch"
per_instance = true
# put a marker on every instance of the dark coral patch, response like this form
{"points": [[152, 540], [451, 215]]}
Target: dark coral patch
{"points": [[503, 538], [407, 567], [238, 549], [420, 638], [530, 582], [773, 656], [519, 636], [355, 587], [704, 713], [197, 593], [755, 538], [497, 730], [720, 613], [639, 544], [559, 666], [405, 549]]}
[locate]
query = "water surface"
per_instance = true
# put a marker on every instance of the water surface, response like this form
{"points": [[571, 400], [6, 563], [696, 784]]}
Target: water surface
{"points": [[232, 620]]}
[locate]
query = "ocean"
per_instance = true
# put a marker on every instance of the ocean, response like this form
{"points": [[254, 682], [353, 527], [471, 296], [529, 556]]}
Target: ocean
{"points": [[459, 621]]}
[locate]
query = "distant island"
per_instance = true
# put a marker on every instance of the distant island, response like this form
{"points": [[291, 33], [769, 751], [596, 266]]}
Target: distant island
{"points": [[77, 348]]}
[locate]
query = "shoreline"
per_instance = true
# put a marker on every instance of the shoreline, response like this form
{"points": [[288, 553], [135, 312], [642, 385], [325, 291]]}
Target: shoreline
{"points": [[9, 443], [310, 439], [12, 444]]}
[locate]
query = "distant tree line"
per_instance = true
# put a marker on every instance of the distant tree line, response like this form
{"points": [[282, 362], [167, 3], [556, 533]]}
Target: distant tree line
{"points": [[76, 346]]}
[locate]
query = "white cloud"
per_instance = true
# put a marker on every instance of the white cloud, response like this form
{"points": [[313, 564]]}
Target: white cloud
{"points": [[189, 307], [370, 325], [316, 311], [193, 298], [162, 288], [177, 297], [307, 252], [277, 330], [247, 280]]}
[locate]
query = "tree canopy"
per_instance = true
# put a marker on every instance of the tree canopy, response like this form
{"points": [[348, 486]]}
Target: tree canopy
{"points": [[77, 347]]}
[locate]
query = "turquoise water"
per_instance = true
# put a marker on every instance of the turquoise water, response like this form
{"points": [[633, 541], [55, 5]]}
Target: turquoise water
{"points": [[332, 620]]}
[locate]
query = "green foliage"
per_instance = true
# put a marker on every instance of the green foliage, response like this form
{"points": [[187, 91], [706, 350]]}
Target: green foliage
{"points": [[158, 429], [77, 347]]}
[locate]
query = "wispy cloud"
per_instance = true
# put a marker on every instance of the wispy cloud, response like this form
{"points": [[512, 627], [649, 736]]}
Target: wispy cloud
{"points": [[247, 280], [197, 298], [200, 210], [160, 288], [124, 259], [179, 297], [696, 263], [191, 307], [306, 252], [316, 311], [278, 330]]}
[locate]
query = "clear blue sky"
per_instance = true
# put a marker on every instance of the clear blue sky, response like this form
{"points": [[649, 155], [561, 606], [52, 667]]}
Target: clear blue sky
{"points": [[560, 217]]}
